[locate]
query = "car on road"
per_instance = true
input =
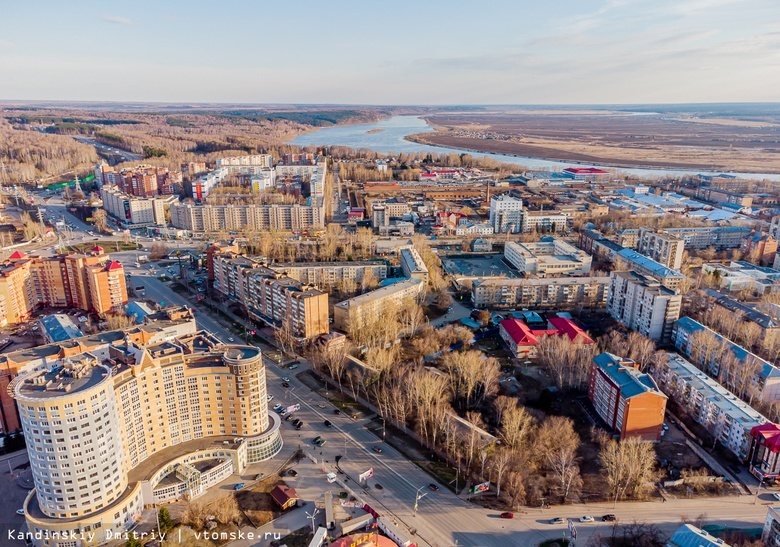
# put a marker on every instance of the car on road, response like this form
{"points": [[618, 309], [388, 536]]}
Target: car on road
{"points": [[336, 411], [295, 421], [292, 473], [283, 411], [328, 424], [557, 520], [277, 407], [230, 339], [270, 398], [20, 511], [317, 439], [609, 518], [376, 449], [286, 379], [285, 384], [434, 487], [293, 366], [259, 476], [666, 427], [239, 486], [378, 486], [507, 515], [586, 518]]}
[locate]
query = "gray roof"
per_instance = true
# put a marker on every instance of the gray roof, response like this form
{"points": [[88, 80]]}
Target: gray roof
{"points": [[750, 313], [688, 535], [649, 264], [629, 379]]}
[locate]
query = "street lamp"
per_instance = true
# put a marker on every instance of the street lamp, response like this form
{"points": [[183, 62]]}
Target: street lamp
{"points": [[417, 498], [760, 483], [312, 516]]}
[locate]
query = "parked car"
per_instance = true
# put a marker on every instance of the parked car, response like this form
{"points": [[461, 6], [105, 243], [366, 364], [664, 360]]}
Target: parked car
{"points": [[336, 411], [299, 425], [328, 424], [293, 367], [317, 439], [292, 473], [776, 495], [239, 486], [507, 515], [286, 379], [557, 520], [609, 518], [277, 407], [288, 418], [378, 486], [285, 384], [586, 518], [270, 398], [20, 511], [322, 442], [434, 487], [376, 449]]}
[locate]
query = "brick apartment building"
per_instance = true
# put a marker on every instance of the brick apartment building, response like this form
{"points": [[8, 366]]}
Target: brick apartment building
{"points": [[628, 400], [91, 282]]}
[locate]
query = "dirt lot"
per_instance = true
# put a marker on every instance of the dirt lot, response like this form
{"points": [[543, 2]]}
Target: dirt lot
{"points": [[726, 143], [256, 502]]}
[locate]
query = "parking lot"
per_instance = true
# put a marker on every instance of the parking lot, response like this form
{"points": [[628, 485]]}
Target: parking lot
{"points": [[478, 266]]}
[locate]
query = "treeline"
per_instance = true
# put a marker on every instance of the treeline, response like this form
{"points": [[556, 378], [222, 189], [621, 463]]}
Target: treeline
{"points": [[28, 155]]}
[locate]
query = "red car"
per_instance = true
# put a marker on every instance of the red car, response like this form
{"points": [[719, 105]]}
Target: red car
{"points": [[507, 515]]}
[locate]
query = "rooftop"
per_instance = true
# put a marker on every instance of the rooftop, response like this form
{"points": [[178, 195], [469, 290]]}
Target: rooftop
{"points": [[66, 379], [656, 268], [623, 372], [715, 393], [688, 535], [60, 327], [379, 293]]}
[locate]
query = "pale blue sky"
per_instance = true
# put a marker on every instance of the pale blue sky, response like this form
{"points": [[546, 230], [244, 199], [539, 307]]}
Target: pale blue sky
{"points": [[391, 52]]}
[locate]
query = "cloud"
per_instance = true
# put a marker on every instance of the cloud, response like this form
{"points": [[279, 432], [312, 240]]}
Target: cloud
{"points": [[117, 19]]}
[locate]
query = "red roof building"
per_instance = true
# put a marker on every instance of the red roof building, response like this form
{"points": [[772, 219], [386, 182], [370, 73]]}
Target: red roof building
{"points": [[522, 339], [113, 265], [585, 173], [284, 496], [17, 255], [765, 452], [97, 249]]}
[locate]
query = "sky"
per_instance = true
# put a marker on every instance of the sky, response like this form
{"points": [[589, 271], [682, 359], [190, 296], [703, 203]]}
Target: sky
{"points": [[392, 52]]}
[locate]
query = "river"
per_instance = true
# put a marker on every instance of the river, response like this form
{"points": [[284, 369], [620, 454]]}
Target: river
{"points": [[387, 136]]}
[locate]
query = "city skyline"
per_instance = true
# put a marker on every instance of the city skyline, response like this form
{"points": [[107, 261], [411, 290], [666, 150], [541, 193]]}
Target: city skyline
{"points": [[592, 52]]}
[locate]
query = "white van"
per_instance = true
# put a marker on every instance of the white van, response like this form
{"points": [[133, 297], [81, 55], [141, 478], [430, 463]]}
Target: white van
{"points": [[331, 477]]}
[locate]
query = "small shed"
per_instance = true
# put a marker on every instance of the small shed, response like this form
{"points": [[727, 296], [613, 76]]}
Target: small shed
{"points": [[285, 496]]}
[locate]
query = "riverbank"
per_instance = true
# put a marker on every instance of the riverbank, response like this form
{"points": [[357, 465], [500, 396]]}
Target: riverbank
{"points": [[520, 150]]}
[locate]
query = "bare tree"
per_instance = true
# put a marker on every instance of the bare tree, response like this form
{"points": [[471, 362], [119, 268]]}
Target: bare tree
{"points": [[100, 220], [500, 463], [628, 466]]}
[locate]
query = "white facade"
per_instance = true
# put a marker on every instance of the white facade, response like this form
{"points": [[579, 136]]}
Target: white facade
{"points": [[543, 222], [368, 307], [545, 292], [474, 228], [552, 256], [506, 214], [73, 438], [664, 248], [643, 305], [324, 273], [264, 180], [275, 218], [721, 412], [135, 210], [262, 160]]}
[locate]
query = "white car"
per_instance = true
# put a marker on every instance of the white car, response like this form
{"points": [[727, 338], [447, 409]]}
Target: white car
{"points": [[277, 407], [230, 339], [286, 379], [270, 398], [20, 511], [586, 518], [776, 495]]}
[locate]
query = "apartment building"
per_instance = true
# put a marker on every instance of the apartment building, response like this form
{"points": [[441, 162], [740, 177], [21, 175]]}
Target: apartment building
{"points": [[368, 307], [412, 264], [141, 180], [627, 399], [259, 160], [146, 424], [717, 195], [136, 211], [771, 533], [720, 238], [558, 292], [650, 268], [331, 273], [505, 214], [766, 376], [550, 256], [91, 282], [543, 222], [728, 419], [664, 248], [643, 304], [769, 325], [160, 326], [760, 246], [275, 218], [270, 296]]}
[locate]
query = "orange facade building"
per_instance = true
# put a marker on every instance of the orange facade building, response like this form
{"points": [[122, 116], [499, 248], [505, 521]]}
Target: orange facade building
{"points": [[91, 282]]}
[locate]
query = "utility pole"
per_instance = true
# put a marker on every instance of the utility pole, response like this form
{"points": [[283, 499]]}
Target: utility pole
{"points": [[761, 482], [312, 516], [417, 499]]}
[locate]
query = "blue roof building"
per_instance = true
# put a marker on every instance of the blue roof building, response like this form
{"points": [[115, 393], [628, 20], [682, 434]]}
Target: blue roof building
{"points": [[59, 327], [139, 310]]}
